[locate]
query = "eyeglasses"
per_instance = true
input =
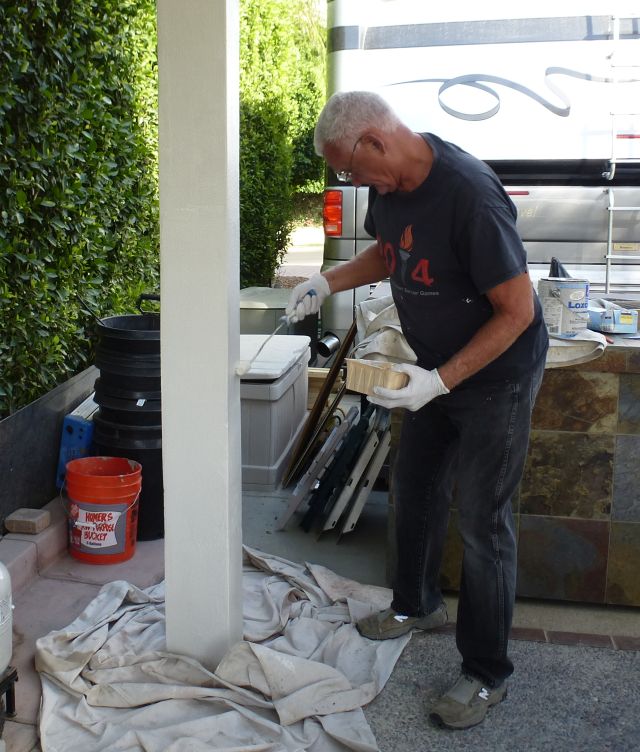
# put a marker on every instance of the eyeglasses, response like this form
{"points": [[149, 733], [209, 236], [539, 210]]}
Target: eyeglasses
{"points": [[346, 176]]}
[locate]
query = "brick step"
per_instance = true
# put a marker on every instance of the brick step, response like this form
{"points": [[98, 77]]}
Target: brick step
{"points": [[26, 555]]}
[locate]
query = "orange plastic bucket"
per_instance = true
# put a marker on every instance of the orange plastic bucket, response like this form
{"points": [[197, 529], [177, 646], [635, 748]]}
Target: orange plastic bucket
{"points": [[102, 508]]}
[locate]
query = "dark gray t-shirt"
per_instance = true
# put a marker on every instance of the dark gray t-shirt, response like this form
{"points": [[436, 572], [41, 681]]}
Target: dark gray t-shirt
{"points": [[445, 245]]}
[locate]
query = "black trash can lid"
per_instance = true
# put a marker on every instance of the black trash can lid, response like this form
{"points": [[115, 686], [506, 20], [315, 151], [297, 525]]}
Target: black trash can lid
{"points": [[133, 326]]}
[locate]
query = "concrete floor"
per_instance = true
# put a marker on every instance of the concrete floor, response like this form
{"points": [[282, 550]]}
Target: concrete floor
{"points": [[576, 697], [61, 587], [50, 601], [361, 555]]}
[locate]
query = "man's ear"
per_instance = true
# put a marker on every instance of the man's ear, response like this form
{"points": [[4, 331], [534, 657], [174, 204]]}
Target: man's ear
{"points": [[375, 139]]}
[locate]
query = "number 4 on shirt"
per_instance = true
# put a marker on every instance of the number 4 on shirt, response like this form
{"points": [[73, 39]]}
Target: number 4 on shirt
{"points": [[421, 273]]}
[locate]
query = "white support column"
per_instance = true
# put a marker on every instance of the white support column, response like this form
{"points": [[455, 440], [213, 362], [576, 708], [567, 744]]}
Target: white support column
{"points": [[199, 261]]}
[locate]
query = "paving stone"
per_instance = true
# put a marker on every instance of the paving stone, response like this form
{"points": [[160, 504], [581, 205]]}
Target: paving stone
{"points": [[626, 643], [40, 608], [579, 638], [526, 633], [21, 737], [32, 521], [52, 541]]}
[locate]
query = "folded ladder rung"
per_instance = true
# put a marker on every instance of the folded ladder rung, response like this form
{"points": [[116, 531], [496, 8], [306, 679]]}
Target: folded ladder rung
{"points": [[620, 257], [623, 208]]}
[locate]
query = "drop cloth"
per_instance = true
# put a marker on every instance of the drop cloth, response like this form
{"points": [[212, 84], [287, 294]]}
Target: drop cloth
{"points": [[582, 348], [380, 335], [297, 681]]}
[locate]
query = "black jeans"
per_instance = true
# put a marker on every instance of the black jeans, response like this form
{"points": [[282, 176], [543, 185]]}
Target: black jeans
{"points": [[474, 441]]}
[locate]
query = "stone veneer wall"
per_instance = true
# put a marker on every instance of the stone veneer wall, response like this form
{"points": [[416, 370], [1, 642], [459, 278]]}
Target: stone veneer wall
{"points": [[578, 510]]}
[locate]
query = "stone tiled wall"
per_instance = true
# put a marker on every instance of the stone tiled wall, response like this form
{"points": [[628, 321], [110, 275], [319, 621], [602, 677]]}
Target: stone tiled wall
{"points": [[578, 510], [579, 505]]}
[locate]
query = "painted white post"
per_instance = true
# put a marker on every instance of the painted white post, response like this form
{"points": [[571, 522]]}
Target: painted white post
{"points": [[199, 260]]}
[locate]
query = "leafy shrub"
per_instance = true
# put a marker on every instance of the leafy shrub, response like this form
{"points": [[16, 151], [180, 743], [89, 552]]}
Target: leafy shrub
{"points": [[78, 180], [265, 193], [78, 166], [281, 92], [309, 95]]}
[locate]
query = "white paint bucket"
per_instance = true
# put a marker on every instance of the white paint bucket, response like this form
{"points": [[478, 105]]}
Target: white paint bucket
{"points": [[565, 303]]}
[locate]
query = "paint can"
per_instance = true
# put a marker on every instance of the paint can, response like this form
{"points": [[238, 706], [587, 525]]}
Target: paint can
{"points": [[102, 508], [565, 303]]}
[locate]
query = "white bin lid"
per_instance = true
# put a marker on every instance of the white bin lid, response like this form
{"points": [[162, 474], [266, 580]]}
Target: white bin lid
{"points": [[279, 354]]}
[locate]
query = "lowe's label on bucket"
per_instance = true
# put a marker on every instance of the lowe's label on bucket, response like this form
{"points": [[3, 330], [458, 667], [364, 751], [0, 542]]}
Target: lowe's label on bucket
{"points": [[565, 304], [93, 526]]}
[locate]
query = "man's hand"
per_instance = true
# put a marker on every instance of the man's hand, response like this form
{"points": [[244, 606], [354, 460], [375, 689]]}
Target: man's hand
{"points": [[307, 297], [423, 386]]}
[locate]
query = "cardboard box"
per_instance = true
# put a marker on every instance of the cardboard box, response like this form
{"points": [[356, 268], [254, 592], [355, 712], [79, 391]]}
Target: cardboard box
{"points": [[613, 320], [364, 375]]}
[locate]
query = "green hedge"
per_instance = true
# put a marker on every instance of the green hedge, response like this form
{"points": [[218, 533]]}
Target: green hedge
{"points": [[78, 180], [282, 68], [265, 191], [78, 166]]}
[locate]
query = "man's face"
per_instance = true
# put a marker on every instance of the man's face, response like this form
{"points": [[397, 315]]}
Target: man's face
{"points": [[362, 164]]}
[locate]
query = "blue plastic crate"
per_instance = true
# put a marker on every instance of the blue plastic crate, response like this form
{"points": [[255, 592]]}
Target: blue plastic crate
{"points": [[77, 437]]}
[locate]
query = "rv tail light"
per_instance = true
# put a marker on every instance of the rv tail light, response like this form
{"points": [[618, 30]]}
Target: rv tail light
{"points": [[332, 213], [518, 193], [628, 135]]}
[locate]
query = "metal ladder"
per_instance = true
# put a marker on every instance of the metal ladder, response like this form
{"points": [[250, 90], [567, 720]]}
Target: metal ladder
{"points": [[617, 135]]}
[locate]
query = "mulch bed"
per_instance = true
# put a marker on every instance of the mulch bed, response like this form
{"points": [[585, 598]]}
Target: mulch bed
{"points": [[288, 282]]}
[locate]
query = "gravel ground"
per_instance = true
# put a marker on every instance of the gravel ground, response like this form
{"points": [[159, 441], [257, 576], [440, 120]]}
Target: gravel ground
{"points": [[560, 699]]}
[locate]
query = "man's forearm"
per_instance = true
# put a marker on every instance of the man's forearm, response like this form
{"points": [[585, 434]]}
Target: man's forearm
{"points": [[487, 344], [366, 267], [513, 311]]}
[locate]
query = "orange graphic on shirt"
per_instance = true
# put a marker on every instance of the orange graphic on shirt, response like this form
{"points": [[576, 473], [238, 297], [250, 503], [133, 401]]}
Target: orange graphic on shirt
{"points": [[419, 273], [406, 239]]}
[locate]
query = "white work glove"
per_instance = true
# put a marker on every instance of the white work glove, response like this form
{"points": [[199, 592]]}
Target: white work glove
{"points": [[307, 297], [423, 386]]}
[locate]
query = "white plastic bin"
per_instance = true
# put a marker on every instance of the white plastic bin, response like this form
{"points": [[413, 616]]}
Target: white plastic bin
{"points": [[273, 404]]}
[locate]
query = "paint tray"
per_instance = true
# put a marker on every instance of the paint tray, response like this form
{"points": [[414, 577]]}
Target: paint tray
{"points": [[364, 375]]}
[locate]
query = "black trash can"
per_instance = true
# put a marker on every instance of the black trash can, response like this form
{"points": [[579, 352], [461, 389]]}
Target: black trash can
{"points": [[128, 422], [144, 445]]}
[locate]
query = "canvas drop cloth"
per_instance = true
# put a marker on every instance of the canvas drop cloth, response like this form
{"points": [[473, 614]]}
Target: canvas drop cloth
{"points": [[297, 681], [583, 347], [380, 337]]}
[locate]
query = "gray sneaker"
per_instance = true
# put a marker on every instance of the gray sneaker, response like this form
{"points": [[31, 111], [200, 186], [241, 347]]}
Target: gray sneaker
{"points": [[466, 703], [388, 624]]}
